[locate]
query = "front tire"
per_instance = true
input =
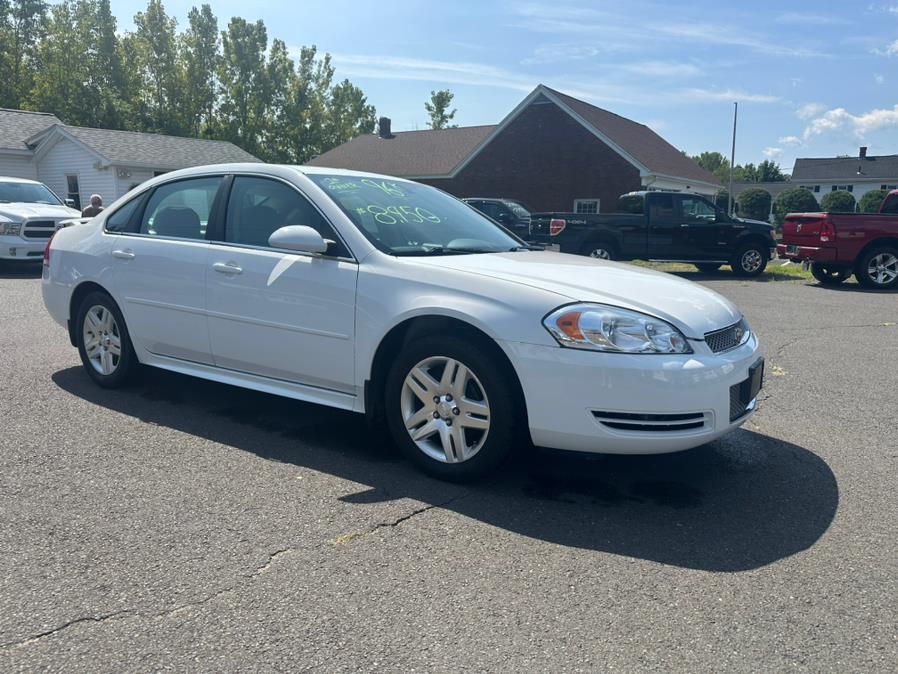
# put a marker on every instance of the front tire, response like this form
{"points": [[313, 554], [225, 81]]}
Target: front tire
{"points": [[450, 407], [103, 341], [829, 276], [878, 268], [750, 260]]}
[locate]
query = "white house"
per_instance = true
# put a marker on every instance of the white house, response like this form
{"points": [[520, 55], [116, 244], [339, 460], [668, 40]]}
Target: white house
{"points": [[857, 175], [76, 162]]}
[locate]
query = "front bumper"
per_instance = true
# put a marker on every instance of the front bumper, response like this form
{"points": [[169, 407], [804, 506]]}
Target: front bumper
{"points": [[801, 253], [631, 404], [17, 248]]}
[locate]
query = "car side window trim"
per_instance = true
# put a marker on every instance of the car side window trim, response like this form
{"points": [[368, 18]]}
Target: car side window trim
{"points": [[220, 233]]}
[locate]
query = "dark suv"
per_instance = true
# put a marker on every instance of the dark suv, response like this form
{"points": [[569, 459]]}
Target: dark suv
{"points": [[509, 213]]}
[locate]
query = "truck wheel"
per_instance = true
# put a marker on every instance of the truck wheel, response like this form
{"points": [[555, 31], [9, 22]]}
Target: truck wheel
{"points": [[829, 276], [601, 250], [750, 260], [707, 267], [878, 268], [450, 408]]}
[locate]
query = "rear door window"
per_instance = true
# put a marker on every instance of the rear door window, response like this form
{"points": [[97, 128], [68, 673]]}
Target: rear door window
{"points": [[180, 209]]}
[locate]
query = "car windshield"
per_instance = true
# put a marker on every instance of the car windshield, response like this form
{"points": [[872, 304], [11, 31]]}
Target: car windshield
{"points": [[405, 218], [27, 193], [518, 209]]}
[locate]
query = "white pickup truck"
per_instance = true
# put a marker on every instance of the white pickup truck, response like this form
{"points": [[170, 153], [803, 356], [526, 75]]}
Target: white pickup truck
{"points": [[29, 215]]}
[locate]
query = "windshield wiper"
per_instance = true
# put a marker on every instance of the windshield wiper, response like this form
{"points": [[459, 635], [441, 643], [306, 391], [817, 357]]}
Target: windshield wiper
{"points": [[515, 249], [445, 250]]}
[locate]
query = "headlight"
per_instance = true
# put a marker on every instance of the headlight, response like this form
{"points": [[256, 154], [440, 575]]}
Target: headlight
{"points": [[10, 228], [598, 327]]}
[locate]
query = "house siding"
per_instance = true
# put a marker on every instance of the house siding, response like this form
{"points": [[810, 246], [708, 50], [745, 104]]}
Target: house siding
{"points": [[134, 177], [17, 166], [67, 158], [545, 159]]}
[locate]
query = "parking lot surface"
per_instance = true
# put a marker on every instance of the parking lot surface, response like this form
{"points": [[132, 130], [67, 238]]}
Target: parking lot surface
{"points": [[184, 524]]}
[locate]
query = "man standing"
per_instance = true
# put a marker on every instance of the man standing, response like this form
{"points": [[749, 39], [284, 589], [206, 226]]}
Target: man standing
{"points": [[96, 206]]}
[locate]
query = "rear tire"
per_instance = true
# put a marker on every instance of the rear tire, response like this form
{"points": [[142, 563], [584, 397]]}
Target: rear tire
{"points": [[707, 267], [600, 250], [103, 341], [750, 260], [878, 268], [463, 420], [829, 276]]}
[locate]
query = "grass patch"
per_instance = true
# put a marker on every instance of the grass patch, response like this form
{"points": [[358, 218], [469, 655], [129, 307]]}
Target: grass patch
{"points": [[776, 271]]}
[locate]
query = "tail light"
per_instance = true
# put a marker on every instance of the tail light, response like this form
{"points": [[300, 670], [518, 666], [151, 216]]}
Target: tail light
{"points": [[47, 250], [556, 226], [827, 231]]}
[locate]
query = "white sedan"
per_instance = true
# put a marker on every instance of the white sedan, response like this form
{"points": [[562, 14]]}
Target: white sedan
{"points": [[390, 298]]}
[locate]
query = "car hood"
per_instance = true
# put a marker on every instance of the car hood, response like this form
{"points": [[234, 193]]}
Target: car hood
{"points": [[20, 210], [757, 223], [689, 306]]}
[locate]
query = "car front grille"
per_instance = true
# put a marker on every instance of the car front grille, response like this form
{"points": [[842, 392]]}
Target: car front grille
{"points": [[727, 338], [652, 423], [39, 229]]}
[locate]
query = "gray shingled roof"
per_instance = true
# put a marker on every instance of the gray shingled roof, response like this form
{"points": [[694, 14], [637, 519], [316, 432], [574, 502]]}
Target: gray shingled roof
{"points": [[638, 140], [846, 169], [132, 148], [16, 126], [407, 153], [437, 153]]}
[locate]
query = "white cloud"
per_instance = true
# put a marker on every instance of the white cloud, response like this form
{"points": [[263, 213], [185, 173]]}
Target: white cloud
{"points": [[804, 18], [727, 95], [661, 69], [840, 120], [560, 52], [772, 152], [880, 79], [809, 110], [789, 141], [891, 49]]}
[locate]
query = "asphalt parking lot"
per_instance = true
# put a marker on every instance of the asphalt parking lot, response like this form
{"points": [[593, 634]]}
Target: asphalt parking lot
{"points": [[187, 525]]}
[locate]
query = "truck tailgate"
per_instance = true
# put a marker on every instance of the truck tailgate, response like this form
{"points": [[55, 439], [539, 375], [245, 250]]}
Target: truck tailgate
{"points": [[804, 229]]}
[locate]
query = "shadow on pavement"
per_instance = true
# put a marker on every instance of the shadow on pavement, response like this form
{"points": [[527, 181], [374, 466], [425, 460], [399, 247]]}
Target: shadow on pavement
{"points": [[734, 505]]}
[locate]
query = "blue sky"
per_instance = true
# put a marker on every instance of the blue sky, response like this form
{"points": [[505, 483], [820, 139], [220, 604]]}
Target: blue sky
{"points": [[812, 78]]}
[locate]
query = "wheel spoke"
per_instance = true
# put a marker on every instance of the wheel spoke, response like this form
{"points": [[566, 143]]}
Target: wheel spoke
{"points": [[106, 363], [423, 415], [92, 350], [115, 345], [92, 321], [458, 440], [477, 423], [446, 441], [424, 431], [422, 384]]}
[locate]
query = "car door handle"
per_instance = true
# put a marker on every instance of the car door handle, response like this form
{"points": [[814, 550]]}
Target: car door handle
{"points": [[684, 225], [123, 254], [227, 267]]}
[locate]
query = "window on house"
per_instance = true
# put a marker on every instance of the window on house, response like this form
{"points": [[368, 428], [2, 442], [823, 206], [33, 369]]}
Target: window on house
{"points": [[586, 206], [889, 187], [72, 190], [851, 188], [816, 188]]}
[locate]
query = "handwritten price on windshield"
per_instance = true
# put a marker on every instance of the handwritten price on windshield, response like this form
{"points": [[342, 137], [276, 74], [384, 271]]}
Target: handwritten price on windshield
{"points": [[390, 215]]}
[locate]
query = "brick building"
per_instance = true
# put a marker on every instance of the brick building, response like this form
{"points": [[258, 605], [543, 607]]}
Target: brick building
{"points": [[552, 152]]}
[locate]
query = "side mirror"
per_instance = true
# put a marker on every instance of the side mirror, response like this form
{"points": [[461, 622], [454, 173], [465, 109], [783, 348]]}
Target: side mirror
{"points": [[298, 237], [70, 203]]}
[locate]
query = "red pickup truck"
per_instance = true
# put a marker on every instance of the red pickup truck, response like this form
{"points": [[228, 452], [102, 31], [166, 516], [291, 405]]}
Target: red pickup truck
{"points": [[838, 245]]}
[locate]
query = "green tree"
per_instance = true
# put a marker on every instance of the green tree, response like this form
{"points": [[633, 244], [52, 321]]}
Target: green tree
{"points": [[60, 65], [349, 114], [770, 172], [754, 203], [796, 200], [437, 107], [21, 25], [722, 200], [243, 81], [872, 200], [280, 113], [839, 201], [716, 163], [163, 80], [200, 57]]}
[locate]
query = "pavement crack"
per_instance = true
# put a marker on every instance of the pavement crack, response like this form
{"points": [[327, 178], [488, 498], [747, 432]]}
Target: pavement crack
{"points": [[65, 626], [272, 558]]}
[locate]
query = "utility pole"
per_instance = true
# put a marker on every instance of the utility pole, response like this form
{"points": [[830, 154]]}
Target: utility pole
{"points": [[733, 159]]}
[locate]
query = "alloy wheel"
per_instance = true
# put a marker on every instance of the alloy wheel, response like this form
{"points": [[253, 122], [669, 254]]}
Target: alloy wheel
{"points": [[600, 253], [883, 268], [752, 260], [102, 340], [445, 409]]}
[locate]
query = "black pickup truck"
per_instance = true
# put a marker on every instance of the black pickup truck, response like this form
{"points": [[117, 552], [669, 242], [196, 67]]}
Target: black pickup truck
{"points": [[669, 226]]}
